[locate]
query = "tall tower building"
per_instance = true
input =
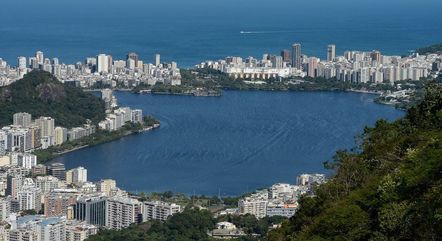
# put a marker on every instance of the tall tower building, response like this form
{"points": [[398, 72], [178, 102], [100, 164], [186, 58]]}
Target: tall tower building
{"points": [[331, 52], [376, 56], [91, 209], [296, 56], [312, 66], [102, 63], [22, 62], [157, 60], [47, 126], [60, 135], [40, 57], [277, 62], [285, 54], [134, 57], [22, 119], [79, 175]]}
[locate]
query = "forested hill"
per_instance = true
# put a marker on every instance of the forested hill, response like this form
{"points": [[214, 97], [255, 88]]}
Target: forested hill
{"points": [[391, 190], [430, 49], [41, 94]]}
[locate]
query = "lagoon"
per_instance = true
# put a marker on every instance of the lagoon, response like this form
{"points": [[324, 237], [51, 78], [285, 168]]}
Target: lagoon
{"points": [[231, 144]]}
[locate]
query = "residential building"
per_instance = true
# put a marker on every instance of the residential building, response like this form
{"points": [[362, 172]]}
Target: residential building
{"points": [[121, 212], [157, 210]]}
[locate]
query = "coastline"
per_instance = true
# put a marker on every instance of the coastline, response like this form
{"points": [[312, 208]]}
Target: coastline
{"points": [[54, 155]]}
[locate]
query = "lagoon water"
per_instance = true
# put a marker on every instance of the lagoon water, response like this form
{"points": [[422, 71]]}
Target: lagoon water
{"points": [[231, 144]]}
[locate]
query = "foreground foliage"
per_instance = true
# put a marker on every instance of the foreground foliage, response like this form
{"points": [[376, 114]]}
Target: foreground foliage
{"points": [[41, 94], [390, 190]]}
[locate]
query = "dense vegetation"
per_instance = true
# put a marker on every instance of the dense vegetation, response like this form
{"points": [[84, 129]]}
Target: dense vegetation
{"points": [[41, 94], [192, 224], [430, 49], [391, 189]]}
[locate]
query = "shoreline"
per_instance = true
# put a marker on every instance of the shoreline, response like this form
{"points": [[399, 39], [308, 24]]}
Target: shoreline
{"points": [[128, 133]]}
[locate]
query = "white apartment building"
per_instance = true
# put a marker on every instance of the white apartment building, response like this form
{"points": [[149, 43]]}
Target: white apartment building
{"points": [[121, 212], [156, 210]]}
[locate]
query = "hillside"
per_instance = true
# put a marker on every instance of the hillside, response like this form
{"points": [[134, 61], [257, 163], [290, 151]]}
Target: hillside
{"points": [[41, 94], [430, 49], [390, 190]]}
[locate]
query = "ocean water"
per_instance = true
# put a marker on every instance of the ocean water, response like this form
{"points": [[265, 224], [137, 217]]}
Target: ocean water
{"points": [[231, 144], [192, 31]]}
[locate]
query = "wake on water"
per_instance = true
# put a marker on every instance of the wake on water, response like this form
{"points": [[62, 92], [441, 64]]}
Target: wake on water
{"points": [[264, 32]]}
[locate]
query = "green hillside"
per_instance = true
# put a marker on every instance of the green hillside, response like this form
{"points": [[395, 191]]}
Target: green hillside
{"points": [[41, 94], [390, 190], [430, 49]]}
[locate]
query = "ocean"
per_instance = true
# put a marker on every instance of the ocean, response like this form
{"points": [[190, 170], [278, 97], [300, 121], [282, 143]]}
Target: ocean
{"points": [[196, 30]]}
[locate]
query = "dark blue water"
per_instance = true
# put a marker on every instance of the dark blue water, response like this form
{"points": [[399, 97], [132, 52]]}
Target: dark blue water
{"points": [[195, 30], [235, 143]]}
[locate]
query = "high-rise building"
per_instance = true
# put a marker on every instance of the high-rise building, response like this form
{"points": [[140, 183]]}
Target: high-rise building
{"points": [[331, 52], [121, 212], [376, 56], [157, 60], [60, 135], [106, 186], [22, 64], [296, 56], [137, 116], [47, 126], [103, 63], [3, 142], [134, 57], [312, 66], [277, 62], [56, 204], [91, 209], [285, 54], [22, 119], [79, 175], [5, 209], [156, 210], [57, 170], [26, 160], [29, 196], [18, 139], [47, 184], [14, 183], [39, 56], [130, 64], [35, 136]]}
